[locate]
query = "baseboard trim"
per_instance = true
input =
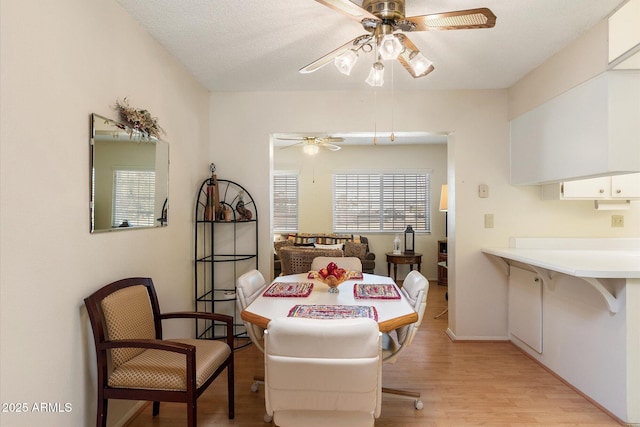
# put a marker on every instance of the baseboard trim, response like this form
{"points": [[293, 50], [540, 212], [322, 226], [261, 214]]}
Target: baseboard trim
{"points": [[131, 414], [455, 338]]}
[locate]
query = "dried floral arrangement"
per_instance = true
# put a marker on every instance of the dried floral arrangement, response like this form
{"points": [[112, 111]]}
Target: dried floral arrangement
{"points": [[138, 119]]}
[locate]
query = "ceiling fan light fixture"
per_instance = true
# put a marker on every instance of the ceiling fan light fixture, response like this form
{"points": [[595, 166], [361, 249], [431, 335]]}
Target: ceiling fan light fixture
{"points": [[311, 149], [345, 61], [419, 63], [390, 47], [376, 75]]}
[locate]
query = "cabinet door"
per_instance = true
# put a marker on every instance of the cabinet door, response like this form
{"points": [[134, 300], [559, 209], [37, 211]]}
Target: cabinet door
{"points": [[525, 307], [625, 186], [594, 188]]}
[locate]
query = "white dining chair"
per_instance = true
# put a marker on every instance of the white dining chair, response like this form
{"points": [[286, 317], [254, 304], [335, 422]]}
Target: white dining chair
{"points": [[415, 289], [249, 286], [322, 372], [350, 263]]}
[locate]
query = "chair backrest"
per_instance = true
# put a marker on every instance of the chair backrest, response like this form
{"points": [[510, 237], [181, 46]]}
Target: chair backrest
{"points": [[249, 286], [415, 289], [126, 309], [324, 370], [295, 259], [350, 263]]}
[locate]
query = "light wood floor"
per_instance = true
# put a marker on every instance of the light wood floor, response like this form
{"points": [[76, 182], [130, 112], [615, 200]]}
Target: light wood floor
{"points": [[462, 384]]}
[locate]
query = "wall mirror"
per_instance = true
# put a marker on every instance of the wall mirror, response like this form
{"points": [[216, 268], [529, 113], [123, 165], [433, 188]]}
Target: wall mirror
{"points": [[129, 177]]}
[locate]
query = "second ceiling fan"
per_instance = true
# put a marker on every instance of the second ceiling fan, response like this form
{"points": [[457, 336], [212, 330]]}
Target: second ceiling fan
{"points": [[312, 144], [385, 22]]}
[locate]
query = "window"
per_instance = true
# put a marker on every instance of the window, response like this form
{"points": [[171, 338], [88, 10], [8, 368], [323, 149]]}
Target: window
{"points": [[134, 197], [285, 202], [381, 201]]}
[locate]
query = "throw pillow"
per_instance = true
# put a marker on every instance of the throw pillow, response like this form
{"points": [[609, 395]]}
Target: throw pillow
{"points": [[336, 246], [355, 249]]}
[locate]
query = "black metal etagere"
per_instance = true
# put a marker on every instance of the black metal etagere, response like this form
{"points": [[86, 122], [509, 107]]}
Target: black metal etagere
{"points": [[225, 248]]}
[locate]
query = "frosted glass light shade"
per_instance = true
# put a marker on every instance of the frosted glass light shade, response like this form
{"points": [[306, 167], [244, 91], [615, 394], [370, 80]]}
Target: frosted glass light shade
{"points": [[345, 61], [419, 63], [311, 149], [390, 47], [376, 75]]}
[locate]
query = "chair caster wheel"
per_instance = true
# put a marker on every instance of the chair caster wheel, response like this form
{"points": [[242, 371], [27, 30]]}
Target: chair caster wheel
{"points": [[254, 387], [418, 404], [267, 418]]}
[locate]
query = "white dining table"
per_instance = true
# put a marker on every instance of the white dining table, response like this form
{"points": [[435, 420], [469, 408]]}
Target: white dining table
{"points": [[392, 313]]}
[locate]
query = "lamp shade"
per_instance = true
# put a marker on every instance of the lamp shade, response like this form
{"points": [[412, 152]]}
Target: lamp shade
{"points": [[444, 198], [390, 47], [376, 75], [419, 63], [345, 61], [311, 149]]}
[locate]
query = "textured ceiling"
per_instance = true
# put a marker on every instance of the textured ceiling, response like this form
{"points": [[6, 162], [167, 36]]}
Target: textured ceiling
{"points": [[259, 45]]}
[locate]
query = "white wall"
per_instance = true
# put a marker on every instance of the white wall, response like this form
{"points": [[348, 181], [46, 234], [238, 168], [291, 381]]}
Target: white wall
{"points": [[61, 61], [315, 188]]}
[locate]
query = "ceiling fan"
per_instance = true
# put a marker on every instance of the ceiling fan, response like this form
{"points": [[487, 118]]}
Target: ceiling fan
{"points": [[312, 144], [385, 22]]}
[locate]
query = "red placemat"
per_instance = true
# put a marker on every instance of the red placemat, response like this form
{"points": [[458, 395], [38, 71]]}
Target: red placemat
{"points": [[375, 291], [351, 275], [283, 289], [333, 311]]}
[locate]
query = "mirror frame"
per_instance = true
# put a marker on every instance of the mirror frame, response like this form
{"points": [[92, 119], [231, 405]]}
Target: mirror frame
{"points": [[122, 133]]}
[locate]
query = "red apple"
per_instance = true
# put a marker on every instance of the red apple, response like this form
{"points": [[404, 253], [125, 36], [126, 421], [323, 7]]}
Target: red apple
{"points": [[323, 272], [331, 266]]}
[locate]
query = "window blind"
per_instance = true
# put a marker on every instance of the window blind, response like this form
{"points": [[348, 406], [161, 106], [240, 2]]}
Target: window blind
{"points": [[285, 202], [385, 202], [133, 197]]}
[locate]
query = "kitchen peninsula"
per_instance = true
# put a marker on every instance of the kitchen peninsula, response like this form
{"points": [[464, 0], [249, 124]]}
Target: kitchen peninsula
{"points": [[574, 306]]}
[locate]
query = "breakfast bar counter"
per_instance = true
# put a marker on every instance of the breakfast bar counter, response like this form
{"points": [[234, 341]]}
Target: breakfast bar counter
{"points": [[574, 306]]}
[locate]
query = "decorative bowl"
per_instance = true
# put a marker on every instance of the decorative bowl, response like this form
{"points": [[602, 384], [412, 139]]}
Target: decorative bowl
{"points": [[332, 281]]}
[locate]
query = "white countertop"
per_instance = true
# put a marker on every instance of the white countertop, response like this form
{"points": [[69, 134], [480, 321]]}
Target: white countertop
{"points": [[596, 258]]}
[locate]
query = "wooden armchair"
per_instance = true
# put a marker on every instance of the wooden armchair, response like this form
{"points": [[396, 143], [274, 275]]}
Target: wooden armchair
{"points": [[135, 363]]}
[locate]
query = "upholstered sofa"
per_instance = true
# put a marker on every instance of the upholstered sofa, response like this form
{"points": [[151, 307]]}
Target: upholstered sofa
{"points": [[350, 244]]}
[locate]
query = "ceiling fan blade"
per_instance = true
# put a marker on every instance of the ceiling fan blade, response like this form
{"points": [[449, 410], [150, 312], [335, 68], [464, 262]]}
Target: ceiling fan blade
{"points": [[409, 50], [333, 139], [324, 60], [293, 145], [456, 20], [331, 147], [348, 8]]}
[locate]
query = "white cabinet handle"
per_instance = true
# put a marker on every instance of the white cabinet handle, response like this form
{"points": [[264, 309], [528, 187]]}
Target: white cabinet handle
{"points": [[601, 190], [618, 191]]}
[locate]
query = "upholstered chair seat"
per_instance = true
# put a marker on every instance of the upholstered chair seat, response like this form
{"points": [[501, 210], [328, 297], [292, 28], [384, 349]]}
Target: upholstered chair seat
{"points": [[163, 370]]}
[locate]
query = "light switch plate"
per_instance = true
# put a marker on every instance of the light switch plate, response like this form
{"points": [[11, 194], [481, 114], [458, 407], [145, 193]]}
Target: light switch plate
{"points": [[483, 191], [488, 220]]}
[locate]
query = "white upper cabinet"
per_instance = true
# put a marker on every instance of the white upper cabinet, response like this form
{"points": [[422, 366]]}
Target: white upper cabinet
{"points": [[625, 186], [624, 36], [617, 187], [590, 130]]}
